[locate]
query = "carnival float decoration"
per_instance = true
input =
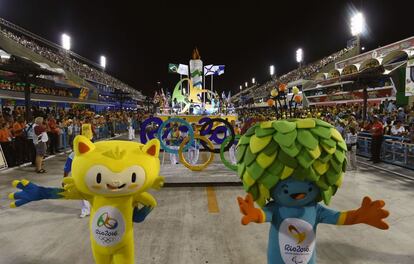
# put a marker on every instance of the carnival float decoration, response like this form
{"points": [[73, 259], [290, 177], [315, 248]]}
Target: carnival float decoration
{"points": [[194, 98]]}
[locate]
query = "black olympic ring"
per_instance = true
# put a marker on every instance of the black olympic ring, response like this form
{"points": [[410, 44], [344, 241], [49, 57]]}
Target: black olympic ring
{"points": [[230, 128]]}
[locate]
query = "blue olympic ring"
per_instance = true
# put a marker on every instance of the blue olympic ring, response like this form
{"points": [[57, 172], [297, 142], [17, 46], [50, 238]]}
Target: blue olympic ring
{"points": [[151, 134], [161, 135]]}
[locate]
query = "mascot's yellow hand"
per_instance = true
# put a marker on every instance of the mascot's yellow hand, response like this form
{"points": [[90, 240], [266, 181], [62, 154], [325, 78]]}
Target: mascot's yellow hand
{"points": [[251, 214], [370, 213], [158, 183]]}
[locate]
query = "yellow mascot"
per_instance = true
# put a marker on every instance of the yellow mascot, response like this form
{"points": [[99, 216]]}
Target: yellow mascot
{"points": [[114, 177]]}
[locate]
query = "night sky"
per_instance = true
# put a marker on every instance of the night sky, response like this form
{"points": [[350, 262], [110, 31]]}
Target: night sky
{"points": [[139, 40]]}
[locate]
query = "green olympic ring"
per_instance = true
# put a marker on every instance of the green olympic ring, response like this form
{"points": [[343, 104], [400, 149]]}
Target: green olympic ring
{"points": [[222, 150]]}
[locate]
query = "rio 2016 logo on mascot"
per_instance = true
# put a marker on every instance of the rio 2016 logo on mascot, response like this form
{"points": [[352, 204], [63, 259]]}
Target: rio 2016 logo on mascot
{"points": [[113, 176], [287, 167]]}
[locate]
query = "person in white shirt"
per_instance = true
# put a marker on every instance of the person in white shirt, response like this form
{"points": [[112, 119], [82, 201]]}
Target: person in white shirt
{"points": [[351, 141], [131, 130], [194, 149], [398, 129]]}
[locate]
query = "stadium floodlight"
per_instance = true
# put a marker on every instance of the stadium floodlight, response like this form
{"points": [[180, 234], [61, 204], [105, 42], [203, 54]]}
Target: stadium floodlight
{"points": [[357, 24], [66, 41], [299, 55], [253, 80], [246, 84], [103, 62], [272, 70]]}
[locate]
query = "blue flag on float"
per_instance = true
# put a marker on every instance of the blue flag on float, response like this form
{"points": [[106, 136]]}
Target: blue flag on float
{"points": [[209, 69], [218, 70]]}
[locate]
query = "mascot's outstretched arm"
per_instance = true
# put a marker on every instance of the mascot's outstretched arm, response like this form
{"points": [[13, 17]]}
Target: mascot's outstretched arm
{"points": [[31, 192], [147, 200], [251, 213], [370, 213]]}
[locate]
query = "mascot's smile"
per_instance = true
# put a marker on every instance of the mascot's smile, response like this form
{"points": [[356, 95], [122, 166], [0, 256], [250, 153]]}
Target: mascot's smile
{"points": [[112, 187], [298, 196]]}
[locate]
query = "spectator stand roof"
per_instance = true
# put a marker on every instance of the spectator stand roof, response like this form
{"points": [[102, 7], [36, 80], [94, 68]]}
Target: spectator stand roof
{"points": [[14, 48], [78, 65], [14, 67]]}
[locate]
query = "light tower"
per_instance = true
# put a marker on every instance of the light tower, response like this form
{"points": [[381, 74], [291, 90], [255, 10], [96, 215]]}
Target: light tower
{"points": [[66, 43], [357, 28]]}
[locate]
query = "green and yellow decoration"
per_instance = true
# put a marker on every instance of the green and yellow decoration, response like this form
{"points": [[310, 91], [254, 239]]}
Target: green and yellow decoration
{"points": [[306, 149]]}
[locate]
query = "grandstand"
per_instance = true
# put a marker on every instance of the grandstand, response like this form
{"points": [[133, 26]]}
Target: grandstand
{"points": [[370, 77], [257, 95], [77, 79]]}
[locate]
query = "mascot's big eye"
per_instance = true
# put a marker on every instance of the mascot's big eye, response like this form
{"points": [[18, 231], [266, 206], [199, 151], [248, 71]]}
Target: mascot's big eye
{"points": [[98, 178], [310, 189], [134, 177], [286, 191]]}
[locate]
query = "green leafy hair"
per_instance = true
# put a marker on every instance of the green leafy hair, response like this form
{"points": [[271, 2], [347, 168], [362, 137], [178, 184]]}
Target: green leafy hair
{"points": [[305, 149]]}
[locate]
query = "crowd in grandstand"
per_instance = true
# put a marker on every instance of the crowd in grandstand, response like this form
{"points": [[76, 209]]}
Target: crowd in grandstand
{"points": [[303, 72], [64, 60], [397, 121]]}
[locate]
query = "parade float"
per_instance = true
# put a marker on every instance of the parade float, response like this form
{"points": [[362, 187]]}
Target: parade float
{"points": [[190, 99]]}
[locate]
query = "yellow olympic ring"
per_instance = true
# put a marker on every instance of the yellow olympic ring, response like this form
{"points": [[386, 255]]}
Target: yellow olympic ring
{"points": [[199, 167]]}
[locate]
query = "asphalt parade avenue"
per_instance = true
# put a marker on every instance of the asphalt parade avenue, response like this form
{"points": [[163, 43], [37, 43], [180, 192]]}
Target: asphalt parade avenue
{"points": [[202, 224]]}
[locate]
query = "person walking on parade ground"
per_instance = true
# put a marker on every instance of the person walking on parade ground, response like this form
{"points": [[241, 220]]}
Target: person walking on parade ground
{"points": [[351, 142], [87, 131], [39, 140], [377, 132], [85, 206]]}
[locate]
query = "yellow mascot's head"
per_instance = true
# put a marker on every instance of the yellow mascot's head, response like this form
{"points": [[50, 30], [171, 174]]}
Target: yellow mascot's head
{"points": [[114, 168]]}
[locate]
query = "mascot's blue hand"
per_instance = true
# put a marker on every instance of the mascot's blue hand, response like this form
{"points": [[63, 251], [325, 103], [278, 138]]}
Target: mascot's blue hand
{"points": [[140, 214], [31, 192]]}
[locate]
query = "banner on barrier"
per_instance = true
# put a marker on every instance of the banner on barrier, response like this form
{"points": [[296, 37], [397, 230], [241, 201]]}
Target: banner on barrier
{"points": [[3, 162], [409, 78]]}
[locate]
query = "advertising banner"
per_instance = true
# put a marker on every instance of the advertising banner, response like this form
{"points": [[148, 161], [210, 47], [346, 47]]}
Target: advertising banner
{"points": [[409, 78]]}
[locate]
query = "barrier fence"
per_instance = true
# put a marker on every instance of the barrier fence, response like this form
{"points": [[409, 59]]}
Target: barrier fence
{"points": [[394, 150], [20, 150]]}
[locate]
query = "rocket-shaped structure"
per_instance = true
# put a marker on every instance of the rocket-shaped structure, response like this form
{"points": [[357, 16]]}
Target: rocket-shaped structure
{"points": [[196, 70]]}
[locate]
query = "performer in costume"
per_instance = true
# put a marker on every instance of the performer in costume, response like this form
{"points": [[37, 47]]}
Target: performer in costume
{"points": [[232, 150], [287, 167], [114, 177], [194, 149], [174, 138]]}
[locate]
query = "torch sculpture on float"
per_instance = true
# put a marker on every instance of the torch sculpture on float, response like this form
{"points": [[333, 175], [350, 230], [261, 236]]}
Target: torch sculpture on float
{"points": [[196, 91], [196, 70]]}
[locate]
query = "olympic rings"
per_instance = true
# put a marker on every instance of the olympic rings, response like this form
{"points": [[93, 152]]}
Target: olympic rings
{"points": [[199, 167], [160, 135], [223, 159], [143, 133], [230, 128]]}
